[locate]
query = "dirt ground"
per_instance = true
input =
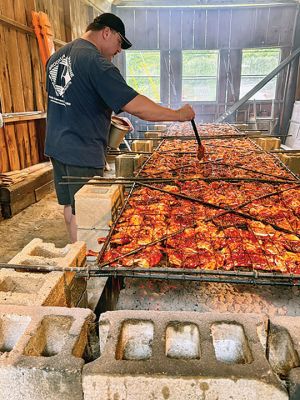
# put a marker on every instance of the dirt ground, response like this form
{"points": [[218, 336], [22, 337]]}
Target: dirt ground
{"points": [[41, 220]]}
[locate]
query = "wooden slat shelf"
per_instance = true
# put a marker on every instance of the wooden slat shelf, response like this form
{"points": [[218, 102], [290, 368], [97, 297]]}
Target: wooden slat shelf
{"points": [[24, 28], [14, 117]]}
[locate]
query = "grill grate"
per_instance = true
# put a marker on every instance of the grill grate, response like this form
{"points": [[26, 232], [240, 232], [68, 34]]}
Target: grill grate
{"points": [[202, 236]]}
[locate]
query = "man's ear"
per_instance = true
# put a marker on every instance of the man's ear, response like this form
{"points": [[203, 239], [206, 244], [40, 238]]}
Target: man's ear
{"points": [[106, 32]]}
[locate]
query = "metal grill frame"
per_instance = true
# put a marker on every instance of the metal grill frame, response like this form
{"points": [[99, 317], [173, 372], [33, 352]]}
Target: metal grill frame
{"points": [[221, 276]]}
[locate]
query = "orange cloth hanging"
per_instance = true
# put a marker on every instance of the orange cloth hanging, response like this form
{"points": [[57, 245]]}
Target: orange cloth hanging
{"points": [[44, 34]]}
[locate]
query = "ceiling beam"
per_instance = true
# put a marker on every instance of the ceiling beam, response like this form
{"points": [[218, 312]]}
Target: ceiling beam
{"points": [[202, 3]]}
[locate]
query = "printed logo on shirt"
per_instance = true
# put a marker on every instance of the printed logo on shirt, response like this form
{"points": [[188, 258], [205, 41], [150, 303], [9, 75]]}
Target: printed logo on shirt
{"points": [[60, 74]]}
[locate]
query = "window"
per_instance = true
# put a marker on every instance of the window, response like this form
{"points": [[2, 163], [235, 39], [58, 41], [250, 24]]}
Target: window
{"points": [[143, 72], [199, 75], [256, 64]]}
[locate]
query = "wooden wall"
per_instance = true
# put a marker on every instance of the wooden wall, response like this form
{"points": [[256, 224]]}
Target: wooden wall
{"points": [[228, 30], [22, 76]]}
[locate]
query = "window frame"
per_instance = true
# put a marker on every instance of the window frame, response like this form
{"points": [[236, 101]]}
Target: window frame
{"points": [[260, 49], [216, 77], [145, 76]]}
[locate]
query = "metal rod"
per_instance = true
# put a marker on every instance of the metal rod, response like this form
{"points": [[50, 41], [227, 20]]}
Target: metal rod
{"points": [[121, 181], [240, 214], [257, 87]]}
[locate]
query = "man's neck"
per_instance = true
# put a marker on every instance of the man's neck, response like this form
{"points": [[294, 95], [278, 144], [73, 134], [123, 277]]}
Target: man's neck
{"points": [[92, 38]]}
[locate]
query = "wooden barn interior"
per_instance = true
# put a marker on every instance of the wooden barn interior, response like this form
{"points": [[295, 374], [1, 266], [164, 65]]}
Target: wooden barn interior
{"points": [[177, 272]]}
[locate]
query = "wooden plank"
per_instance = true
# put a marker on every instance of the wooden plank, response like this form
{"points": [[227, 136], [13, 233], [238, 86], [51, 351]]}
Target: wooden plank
{"points": [[34, 146], [175, 30], [200, 29], [188, 21], [127, 16], [67, 21], [212, 27], [16, 85], [5, 94], [288, 19], [260, 26], [14, 193], [43, 190], [222, 86], [4, 161], [152, 29], [55, 18], [175, 83], [140, 23], [235, 61], [27, 81], [164, 29], [225, 17], [165, 77], [14, 117], [242, 28], [11, 209], [38, 74], [40, 126], [274, 24]]}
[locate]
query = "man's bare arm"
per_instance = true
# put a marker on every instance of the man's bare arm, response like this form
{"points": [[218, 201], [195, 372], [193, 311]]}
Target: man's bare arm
{"points": [[144, 108]]}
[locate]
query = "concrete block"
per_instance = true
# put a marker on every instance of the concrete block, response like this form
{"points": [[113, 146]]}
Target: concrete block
{"points": [[41, 350], [22, 288], [97, 205], [154, 136], [181, 355], [292, 162], [48, 289], [142, 145], [38, 252], [126, 164], [283, 344]]}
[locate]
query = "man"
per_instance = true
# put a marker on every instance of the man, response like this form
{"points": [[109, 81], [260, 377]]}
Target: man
{"points": [[84, 87]]}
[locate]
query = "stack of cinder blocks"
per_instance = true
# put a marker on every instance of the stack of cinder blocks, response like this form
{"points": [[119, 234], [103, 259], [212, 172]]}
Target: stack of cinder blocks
{"points": [[52, 288], [268, 144], [42, 344], [96, 207]]}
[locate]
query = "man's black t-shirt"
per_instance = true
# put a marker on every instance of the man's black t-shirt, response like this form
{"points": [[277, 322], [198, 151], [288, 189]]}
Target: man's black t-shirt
{"points": [[83, 90]]}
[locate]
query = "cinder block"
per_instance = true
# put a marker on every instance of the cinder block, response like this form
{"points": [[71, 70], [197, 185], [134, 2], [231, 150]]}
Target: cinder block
{"points": [[154, 136], [97, 205], [38, 252], [48, 289], [283, 344], [142, 145], [292, 162], [126, 164], [41, 350], [181, 355]]}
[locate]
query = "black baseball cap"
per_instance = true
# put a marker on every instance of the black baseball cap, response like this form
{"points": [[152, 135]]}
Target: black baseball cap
{"points": [[114, 22]]}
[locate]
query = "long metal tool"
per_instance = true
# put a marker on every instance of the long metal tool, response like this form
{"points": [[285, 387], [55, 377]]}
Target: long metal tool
{"points": [[200, 151]]}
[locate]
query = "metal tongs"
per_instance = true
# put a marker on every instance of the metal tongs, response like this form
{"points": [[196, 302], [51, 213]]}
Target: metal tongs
{"points": [[201, 150]]}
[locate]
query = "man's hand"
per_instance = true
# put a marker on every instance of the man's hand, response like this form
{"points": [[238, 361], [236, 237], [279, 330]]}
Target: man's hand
{"points": [[186, 113]]}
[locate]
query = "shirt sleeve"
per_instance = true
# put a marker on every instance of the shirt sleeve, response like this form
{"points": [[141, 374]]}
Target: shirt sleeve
{"points": [[112, 87]]}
